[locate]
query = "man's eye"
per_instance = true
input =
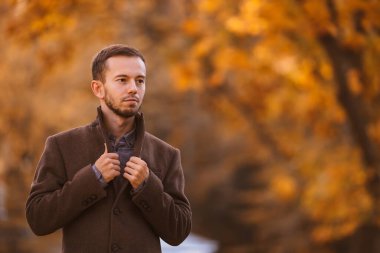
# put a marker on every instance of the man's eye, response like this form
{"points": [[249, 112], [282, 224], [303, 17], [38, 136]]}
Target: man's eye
{"points": [[140, 81], [122, 80]]}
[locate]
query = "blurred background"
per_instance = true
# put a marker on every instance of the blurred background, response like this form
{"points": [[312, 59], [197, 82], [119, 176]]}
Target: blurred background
{"points": [[275, 106]]}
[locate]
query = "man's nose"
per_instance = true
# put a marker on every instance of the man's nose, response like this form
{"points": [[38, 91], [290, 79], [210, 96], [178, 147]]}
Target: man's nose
{"points": [[132, 87]]}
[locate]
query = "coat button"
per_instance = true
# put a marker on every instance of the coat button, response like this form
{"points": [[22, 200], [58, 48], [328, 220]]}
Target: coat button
{"points": [[116, 211], [145, 205], [89, 200], [115, 247]]}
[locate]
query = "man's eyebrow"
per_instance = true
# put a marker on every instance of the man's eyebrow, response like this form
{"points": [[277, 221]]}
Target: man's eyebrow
{"points": [[124, 75], [121, 75]]}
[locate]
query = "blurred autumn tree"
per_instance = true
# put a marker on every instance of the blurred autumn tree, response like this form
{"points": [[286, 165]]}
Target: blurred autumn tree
{"points": [[39, 39], [277, 106], [302, 75]]}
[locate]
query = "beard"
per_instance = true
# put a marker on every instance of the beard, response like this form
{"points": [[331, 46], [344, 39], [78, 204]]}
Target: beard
{"points": [[126, 113]]}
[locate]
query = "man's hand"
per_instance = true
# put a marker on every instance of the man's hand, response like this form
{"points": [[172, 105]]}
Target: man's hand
{"points": [[109, 165], [136, 171]]}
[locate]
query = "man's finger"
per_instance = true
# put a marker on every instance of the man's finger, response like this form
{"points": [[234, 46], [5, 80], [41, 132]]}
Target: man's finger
{"points": [[130, 170], [129, 177], [116, 167], [135, 159], [105, 148], [132, 165], [114, 156]]}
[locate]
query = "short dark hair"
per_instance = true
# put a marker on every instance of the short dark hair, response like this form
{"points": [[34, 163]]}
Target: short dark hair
{"points": [[99, 61]]}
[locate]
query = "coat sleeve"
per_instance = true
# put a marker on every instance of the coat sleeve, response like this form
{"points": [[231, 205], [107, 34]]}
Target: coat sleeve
{"points": [[53, 200], [164, 204]]}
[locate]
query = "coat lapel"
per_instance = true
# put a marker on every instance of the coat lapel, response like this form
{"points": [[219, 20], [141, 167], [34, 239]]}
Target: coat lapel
{"points": [[120, 187]]}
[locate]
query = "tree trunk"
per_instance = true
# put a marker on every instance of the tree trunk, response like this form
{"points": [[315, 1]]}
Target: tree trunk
{"points": [[367, 237]]}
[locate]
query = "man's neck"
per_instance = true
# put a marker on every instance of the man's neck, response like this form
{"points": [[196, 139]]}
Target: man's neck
{"points": [[115, 124]]}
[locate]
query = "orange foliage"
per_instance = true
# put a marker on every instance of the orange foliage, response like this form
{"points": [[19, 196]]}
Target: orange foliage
{"points": [[269, 57], [268, 76]]}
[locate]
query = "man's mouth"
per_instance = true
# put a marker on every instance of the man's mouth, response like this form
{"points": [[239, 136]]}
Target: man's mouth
{"points": [[131, 99]]}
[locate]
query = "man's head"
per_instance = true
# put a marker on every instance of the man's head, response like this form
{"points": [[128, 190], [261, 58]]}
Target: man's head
{"points": [[119, 75], [99, 61]]}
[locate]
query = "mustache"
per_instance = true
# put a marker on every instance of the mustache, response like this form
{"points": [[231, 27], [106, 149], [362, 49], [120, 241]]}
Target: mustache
{"points": [[129, 98]]}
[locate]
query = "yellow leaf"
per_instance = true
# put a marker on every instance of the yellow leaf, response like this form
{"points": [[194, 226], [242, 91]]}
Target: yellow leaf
{"points": [[354, 81], [284, 187]]}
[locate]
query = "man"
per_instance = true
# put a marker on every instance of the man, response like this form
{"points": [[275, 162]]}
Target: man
{"points": [[111, 186]]}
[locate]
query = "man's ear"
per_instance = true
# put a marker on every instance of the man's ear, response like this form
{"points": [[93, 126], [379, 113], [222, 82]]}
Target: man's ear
{"points": [[98, 88]]}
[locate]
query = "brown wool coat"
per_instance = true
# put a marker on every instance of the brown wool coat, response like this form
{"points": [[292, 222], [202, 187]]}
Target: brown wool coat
{"points": [[66, 194]]}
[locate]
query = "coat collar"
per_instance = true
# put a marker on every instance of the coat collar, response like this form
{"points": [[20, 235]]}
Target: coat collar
{"points": [[140, 131]]}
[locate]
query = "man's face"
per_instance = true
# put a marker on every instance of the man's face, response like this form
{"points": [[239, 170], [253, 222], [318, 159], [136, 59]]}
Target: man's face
{"points": [[124, 85]]}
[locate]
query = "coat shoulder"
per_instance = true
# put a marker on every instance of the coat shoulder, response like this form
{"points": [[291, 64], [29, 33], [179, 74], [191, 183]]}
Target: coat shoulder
{"points": [[75, 133], [152, 139]]}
